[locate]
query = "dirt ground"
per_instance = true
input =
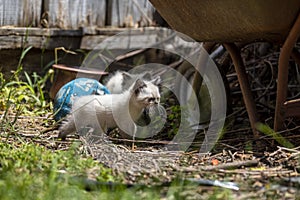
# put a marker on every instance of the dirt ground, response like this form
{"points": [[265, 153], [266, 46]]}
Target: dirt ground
{"points": [[247, 174]]}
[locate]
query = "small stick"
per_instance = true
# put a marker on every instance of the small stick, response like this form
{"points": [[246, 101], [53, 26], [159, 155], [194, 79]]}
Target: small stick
{"points": [[224, 166], [142, 141]]}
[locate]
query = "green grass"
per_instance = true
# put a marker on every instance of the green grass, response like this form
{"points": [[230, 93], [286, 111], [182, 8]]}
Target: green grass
{"points": [[263, 128], [27, 94], [30, 171]]}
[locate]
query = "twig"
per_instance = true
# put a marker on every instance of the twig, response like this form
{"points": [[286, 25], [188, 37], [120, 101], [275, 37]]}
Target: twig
{"points": [[236, 164], [85, 144], [26, 117], [289, 149], [223, 166], [65, 50], [293, 155], [142, 141], [48, 129], [288, 130], [229, 146]]}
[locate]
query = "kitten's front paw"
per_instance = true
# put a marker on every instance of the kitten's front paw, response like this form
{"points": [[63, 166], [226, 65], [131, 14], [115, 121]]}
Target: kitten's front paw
{"points": [[62, 135]]}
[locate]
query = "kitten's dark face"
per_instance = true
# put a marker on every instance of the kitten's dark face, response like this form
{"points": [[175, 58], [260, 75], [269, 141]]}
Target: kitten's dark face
{"points": [[146, 93]]}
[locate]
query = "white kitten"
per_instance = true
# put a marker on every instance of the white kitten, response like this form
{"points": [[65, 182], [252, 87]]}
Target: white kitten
{"points": [[120, 81], [113, 110]]}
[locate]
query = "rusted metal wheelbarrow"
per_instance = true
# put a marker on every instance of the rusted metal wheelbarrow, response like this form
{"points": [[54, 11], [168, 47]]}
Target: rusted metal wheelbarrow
{"points": [[232, 21]]}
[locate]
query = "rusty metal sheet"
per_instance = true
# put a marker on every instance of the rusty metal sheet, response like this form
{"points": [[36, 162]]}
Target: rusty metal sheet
{"points": [[230, 20]]}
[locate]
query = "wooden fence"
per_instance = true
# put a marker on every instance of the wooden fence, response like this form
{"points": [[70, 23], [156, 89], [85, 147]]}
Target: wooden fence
{"points": [[74, 14], [74, 24]]}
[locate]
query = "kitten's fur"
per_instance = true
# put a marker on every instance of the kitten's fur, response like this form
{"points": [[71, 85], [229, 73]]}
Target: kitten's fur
{"points": [[112, 110], [121, 81]]}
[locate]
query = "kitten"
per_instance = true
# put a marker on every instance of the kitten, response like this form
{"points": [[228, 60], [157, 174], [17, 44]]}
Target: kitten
{"points": [[120, 81], [112, 110]]}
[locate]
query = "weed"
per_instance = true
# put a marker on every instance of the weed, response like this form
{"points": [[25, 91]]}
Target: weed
{"points": [[30, 171], [174, 120], [178, 120], [24, 95], [63, 49], [276, 136]]}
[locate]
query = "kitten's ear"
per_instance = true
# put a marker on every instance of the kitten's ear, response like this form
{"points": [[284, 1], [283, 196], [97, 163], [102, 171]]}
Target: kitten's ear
{"points": [[156, 80], [138, 86], [126, 76], [146, 76]]}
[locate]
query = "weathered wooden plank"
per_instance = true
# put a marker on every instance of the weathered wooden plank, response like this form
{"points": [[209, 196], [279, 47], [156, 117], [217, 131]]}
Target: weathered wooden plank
{"points": [[91, 42], [73, 14], [129, 13], [88, 38], [16, 42], [58, 32], [77, 16], [122, 40], [10, 42], [9, 12], [13, 38], [103, 31], [9, 30], [39, 31], [30, 13], [92, 38], [143, 12], [55, 12], [22, 13], [96, 13]]}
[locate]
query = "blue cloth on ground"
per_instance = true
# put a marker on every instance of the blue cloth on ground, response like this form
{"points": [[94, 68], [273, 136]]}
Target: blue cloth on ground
{"points": [[64, 98]]}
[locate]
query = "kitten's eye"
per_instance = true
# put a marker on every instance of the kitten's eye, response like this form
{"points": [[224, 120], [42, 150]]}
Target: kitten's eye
{"points": [[151, 100]]}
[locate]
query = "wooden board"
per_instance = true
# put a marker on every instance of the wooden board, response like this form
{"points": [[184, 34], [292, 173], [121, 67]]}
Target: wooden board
{"points": [[73, 14], [13, 38], [50, 38], [24, 13], [130, 13]]}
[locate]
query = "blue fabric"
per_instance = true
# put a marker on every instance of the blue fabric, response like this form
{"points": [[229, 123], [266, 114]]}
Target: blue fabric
{"points": [[64, 98]]}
